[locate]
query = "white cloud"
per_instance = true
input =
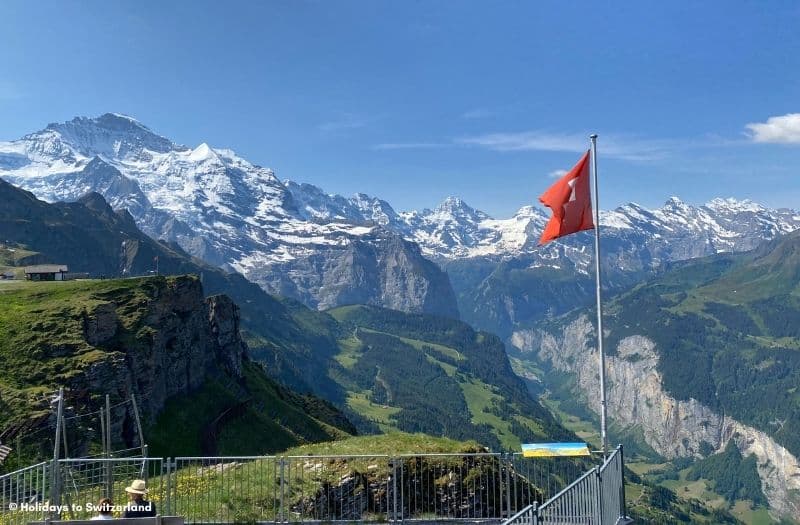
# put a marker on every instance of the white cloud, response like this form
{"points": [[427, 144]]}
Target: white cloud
{"points": [[526, 141], [625, 147], [784, 129], [617, 146], [557, 174], [409, 145]]}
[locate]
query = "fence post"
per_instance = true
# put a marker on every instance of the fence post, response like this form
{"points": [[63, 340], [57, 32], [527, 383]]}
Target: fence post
{"points": [[283, 485], [508, 463], [394, 488], [623, 511], [43, 494], [109, 488], [535, 513], [403, 493], [599, 481], [168, 498], [55, 485], [109, 465]]}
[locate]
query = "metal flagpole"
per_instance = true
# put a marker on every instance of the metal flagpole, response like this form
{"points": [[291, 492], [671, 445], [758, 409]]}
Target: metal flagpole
{"points": [[603, 405]]}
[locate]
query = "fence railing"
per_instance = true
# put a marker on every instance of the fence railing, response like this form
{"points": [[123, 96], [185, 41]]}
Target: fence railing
{"points": [[364, 488], [595, 498], [22, 491], [83, 482]]}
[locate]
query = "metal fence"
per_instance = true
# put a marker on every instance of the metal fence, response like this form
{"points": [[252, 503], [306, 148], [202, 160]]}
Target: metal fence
{"points": [[364, 488], [595, 498], [83, 482], [70, 488], [22, 492]]}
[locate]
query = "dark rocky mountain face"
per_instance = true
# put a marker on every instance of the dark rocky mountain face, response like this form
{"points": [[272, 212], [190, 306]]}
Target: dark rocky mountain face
{"points": [[378, 269]]}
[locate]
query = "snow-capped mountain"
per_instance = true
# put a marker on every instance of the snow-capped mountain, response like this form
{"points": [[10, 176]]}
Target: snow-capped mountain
{"points": [[292, 239], [454, 230], [503, 287], [297, 240]]}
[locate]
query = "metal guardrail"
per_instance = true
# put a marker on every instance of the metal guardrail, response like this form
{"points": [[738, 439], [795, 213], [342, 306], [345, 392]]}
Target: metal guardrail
{"points": [[595, 498], [27, 486], [68, 487], [281, 489], [349, 488], [85, 481]]}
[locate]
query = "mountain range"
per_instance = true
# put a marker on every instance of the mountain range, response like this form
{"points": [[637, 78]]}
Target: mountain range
{"points": [[386, 370], [326, 250]]}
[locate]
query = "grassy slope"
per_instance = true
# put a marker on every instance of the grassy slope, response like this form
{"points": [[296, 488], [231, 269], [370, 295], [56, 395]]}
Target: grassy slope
{"points": [[457, 381], [42, 345], [274, 420], [12, 259], [393, 442]]}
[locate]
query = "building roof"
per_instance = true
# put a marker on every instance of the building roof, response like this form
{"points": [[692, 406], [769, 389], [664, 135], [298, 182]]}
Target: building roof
{"points": [[46, 268]]}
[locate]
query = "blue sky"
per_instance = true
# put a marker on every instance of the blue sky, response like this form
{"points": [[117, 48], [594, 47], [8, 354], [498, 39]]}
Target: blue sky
{"points": [[414, 101]]}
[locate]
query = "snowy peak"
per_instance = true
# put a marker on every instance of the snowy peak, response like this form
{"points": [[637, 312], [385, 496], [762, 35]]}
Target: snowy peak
{"points": [[731, 205], [676, 205], [312, 203], [110, 135], [376, 210], [455, 209], [529, 212], [202, 153]]}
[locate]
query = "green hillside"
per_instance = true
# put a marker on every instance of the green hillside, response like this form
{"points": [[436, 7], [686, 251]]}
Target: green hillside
{"points": [[13, 258], [44, 345], [434, 375], [727, 330]]}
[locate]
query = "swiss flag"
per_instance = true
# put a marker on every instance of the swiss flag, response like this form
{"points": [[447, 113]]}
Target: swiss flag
{"points": [[571, 202]]}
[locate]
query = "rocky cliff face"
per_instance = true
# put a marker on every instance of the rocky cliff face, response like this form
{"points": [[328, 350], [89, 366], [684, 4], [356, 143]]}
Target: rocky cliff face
{"points": [[378, 269], [181, 338], [672, 427]]}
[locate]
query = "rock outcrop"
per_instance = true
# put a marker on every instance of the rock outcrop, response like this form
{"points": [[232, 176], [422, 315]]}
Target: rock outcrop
{"points": [[672, 427], [180, 339]]}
